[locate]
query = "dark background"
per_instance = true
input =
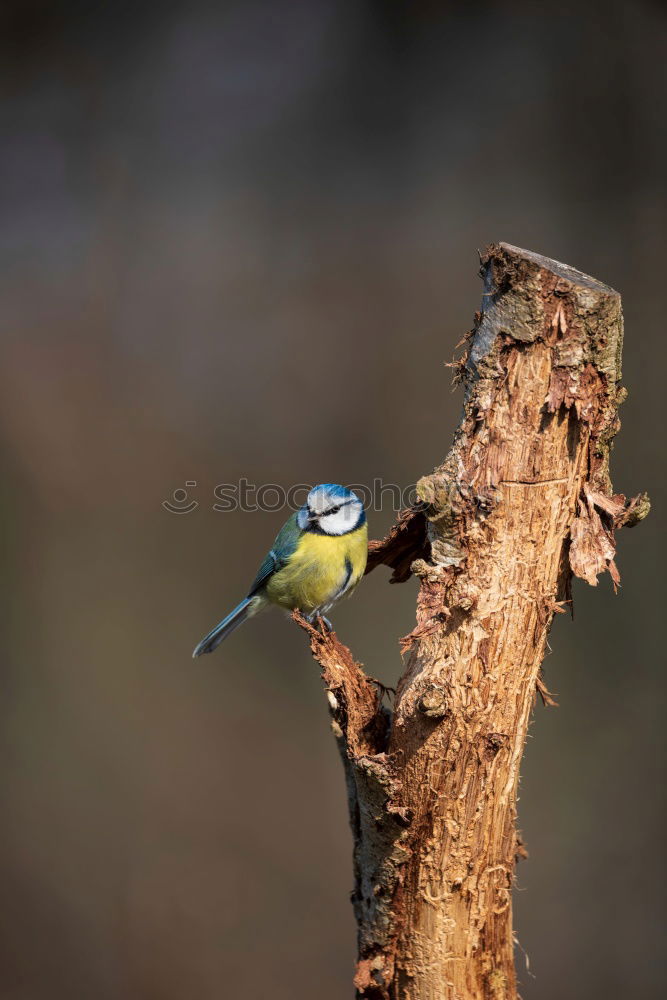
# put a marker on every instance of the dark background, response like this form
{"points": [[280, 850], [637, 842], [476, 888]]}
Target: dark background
{"points": [[239, 240]]}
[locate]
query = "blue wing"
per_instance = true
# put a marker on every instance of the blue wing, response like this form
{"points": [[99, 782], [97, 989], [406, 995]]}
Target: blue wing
{"points": [[284, 546]]}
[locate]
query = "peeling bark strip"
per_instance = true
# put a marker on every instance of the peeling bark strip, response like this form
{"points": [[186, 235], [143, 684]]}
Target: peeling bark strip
{"points": [[522, 500]]}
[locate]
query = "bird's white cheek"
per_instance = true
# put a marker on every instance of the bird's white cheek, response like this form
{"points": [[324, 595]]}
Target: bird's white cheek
{"points": [[345, 520]]}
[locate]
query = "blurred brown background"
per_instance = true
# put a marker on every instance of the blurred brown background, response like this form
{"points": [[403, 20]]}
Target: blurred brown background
{"points": [[239, 240]]}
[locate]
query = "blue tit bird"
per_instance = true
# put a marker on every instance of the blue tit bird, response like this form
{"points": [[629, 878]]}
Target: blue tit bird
{"points": [[318, 557]]}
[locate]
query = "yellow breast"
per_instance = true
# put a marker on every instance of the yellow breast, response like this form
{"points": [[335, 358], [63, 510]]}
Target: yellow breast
{"points": [[321, 570]]}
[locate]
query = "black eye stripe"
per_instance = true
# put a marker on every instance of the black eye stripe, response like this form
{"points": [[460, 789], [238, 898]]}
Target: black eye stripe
{"points": [[334, 510]]}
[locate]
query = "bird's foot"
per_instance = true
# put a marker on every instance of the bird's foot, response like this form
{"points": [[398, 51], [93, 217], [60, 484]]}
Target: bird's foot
{"points": [[315, 619]]}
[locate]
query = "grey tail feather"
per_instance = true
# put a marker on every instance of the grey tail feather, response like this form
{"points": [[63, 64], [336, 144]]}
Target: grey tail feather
{"points": [[225, 628]]}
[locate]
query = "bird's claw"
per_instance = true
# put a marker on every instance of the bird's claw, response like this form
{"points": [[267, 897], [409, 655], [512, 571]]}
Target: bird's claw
{"points": [[314, 619]]}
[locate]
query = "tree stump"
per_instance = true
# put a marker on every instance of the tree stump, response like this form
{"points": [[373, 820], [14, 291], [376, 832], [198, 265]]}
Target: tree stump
{"points": [[522, 501]]}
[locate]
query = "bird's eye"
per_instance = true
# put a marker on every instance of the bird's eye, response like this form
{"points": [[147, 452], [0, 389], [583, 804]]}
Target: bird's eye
{"points": [[333, 510]]}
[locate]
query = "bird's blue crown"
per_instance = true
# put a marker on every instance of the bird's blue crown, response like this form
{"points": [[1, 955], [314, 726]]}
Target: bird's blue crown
{"points": [[331, 509]]}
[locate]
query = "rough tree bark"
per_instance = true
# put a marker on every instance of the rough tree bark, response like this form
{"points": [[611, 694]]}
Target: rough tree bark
{"points": [[522, 501]]}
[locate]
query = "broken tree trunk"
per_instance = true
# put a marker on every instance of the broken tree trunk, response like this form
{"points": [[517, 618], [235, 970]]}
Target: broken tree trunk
{"points": [[522, 500]]}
